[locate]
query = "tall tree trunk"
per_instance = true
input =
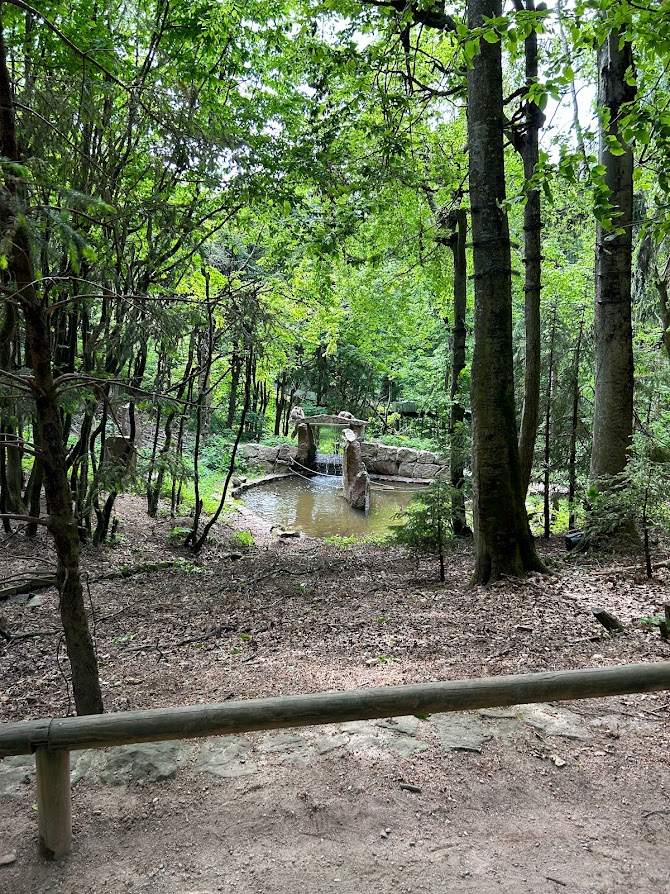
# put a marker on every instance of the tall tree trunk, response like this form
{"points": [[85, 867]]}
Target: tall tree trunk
{"points": [[572, 450], [528, 146], [62, 525], [11, 454], [157, 469], [33, 494], [503, 542], [287, 410], [235, 370], [613, 413], [547, 428], [457, 411], [280, 400]]}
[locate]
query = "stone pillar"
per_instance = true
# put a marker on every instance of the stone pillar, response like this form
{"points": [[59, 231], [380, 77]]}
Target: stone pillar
{"points": [[355, 480], [306, 453]]}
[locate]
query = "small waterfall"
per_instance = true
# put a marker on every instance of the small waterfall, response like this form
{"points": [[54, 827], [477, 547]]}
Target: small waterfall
{"points": [[329, 463]]}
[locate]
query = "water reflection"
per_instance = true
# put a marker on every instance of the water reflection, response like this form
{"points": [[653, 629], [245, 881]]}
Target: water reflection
{"points": [[318, 508]]}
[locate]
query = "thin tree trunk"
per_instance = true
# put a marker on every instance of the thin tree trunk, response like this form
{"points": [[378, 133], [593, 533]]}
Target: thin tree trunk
{"points": [[457, 411], [279, 402], [288, 404], [547, 429], [572, 452], [11, 455], [62, 525], [198, 544], [528, 146], [235, 369], [33, 495], [191, 538], [503, 542], [661, 282]]}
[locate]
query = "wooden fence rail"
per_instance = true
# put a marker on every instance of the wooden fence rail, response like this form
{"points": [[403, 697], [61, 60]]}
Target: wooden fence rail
{"points": [[53, 739]]}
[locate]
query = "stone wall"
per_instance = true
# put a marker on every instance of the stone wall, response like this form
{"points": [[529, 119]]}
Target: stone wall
{"points": [[270, 459], [378, 459]]}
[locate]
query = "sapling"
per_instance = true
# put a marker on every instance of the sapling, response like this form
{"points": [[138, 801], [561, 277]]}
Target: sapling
{"points": [[428, 520]]}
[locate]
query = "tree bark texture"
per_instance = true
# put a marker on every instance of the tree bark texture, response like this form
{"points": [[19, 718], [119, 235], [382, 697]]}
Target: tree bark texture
{"points": [[613, 412], [503, 542]]}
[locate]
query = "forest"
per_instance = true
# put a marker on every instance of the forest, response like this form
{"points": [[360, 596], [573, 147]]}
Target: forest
{"points": [[450, 222]]}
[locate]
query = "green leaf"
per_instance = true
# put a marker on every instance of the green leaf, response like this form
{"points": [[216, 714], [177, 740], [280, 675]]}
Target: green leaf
{"points": [[471, 49]]}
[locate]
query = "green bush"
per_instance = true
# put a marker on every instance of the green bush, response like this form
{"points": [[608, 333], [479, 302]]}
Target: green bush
{"points": [[242, 539]]}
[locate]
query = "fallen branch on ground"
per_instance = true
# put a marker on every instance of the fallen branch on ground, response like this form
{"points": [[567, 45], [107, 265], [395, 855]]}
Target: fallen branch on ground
{"points": [[29, 584]]}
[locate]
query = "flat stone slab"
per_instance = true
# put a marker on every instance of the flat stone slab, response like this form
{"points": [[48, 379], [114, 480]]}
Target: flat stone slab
{"points": [[405, 746], [553, 721], [230, 756], [396, 734], [407, 725], [282, 743], [15, 774], [289, 747], [225, 757], [461, 732], [324, 744], [358, 728], [151, 762]]}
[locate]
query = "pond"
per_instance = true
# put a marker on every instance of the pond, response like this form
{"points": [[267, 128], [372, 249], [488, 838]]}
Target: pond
{"points": [[317, 507]]}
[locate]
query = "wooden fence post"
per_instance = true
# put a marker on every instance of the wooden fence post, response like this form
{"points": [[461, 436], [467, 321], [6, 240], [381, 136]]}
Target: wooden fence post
{"points": [[54, 808]]}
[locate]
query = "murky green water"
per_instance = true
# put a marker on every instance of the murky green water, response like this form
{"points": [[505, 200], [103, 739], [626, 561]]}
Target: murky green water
{"points": [[318, 508]]}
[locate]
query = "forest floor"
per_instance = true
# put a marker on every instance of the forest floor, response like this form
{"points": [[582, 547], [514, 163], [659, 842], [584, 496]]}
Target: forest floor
{"points": [[570, 797]]}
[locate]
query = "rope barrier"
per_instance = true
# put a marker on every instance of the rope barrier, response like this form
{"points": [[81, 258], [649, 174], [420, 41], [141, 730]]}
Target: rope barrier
{"points": [[377, 485]]}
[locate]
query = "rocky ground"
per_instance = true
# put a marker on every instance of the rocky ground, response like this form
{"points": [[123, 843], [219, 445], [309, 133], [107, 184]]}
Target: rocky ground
{"points": [[569, 796]]}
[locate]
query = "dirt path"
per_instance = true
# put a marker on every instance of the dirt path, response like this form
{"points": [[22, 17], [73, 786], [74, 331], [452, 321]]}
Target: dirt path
{"points": [[530, 809]]}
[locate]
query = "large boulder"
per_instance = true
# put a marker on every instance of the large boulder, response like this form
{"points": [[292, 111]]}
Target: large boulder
{"points": [[359, 492], [386, 454], [355, 480], [409, 470], [369, 451], [406, 455], [266, 454], [427, 470], [285, 453], [306, 453]]}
